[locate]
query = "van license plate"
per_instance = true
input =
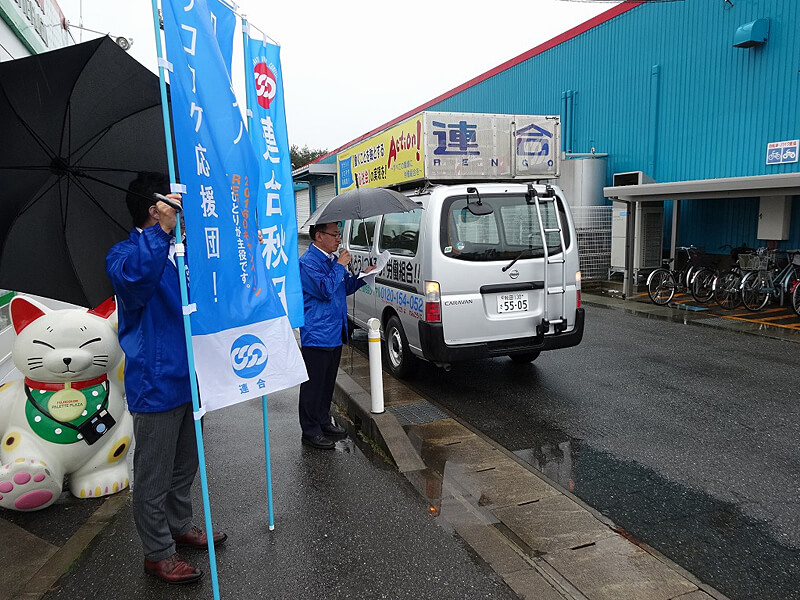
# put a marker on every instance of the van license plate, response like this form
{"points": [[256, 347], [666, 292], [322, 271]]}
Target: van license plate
{"points": [[512, 303]]}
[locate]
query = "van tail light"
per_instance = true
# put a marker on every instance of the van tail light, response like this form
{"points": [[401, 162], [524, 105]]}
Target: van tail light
{"points": [[578, 288], [433, 302]]}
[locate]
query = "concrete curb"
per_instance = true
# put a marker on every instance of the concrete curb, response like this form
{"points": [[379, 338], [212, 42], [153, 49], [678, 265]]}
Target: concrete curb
{"points": [[383, 428]]}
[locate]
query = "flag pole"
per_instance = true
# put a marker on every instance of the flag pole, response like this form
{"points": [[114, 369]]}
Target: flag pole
{"points": [[267, 459], [269, 467], [187, 326]]}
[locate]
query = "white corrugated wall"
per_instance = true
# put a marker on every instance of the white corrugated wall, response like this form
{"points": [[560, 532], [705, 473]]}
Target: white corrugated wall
{"points": [[325, 192], [303, 209]]}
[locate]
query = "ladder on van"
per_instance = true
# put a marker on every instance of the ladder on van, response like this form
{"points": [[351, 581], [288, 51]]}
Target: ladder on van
{"points": [[559, 324]]}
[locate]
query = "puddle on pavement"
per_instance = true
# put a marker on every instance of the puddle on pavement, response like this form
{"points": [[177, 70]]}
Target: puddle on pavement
{"points": [[714, 540]]}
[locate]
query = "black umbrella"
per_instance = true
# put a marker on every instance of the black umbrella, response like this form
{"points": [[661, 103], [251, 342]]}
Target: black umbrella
{"points": [[361, 203], [77, 125]]}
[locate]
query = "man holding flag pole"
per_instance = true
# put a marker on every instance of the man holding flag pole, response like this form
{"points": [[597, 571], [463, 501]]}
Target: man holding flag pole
{"points": [[143, 272]]}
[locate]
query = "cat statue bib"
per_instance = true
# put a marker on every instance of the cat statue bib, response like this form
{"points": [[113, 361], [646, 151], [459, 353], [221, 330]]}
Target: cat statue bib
{"points": [[68, 415]]}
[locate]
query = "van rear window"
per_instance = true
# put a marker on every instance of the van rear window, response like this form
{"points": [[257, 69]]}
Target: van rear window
{"points": [[511, 227]]}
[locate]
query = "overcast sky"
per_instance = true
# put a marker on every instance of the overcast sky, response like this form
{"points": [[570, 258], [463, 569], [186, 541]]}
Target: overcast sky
{"points": [[353, 65]]}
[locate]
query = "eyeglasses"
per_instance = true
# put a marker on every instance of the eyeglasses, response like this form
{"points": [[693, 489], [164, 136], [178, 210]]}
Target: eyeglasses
{"points": [[338, 234]]}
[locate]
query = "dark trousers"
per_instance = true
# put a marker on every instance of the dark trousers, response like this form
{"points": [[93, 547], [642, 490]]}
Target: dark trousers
{"points": [[164, 467], [316, 394]]}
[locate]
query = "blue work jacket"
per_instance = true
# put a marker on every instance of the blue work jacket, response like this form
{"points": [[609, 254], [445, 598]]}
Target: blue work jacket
{"points": [[150, 321], [326, 285]]}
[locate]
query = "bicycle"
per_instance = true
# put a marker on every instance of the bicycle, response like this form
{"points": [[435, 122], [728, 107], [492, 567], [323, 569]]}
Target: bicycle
{"points": [[702, 286], [765, 281], [726, 285], [702, 281], [663, 282]]}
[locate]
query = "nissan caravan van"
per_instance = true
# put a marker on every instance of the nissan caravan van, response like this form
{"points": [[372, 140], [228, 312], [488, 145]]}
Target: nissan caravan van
{"points": [[488, 264], [479, 270]]}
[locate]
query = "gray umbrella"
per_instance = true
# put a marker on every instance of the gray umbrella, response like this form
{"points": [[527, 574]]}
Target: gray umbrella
{"points": [[360, 204]]}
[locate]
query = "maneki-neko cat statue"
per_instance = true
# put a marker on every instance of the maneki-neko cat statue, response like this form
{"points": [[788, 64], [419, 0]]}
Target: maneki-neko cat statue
{"points": [[68, 415]]}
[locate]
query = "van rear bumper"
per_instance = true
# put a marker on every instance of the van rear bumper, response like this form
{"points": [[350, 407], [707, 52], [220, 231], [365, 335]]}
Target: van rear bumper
{"points": [[435, 349]]}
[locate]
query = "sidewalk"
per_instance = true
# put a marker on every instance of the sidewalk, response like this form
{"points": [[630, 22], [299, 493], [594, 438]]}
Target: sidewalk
{"points": [[346, 526]]}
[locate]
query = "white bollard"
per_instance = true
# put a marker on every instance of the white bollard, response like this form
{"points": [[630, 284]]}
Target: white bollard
{"points": [[375, 367]]}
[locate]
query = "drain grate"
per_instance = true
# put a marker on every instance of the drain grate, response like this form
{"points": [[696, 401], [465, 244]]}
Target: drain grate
{"points": [[417, 412], [721, 322]]}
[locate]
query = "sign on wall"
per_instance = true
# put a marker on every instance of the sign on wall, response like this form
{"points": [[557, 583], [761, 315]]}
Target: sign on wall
{"points": [[779, 153]]}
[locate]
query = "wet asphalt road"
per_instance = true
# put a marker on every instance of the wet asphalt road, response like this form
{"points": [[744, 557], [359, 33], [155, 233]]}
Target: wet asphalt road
{"points": [[686, 437]]}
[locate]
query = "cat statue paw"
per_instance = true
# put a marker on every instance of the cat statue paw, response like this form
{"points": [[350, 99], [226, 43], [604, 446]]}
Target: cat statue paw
{"points": [[68, 415]]}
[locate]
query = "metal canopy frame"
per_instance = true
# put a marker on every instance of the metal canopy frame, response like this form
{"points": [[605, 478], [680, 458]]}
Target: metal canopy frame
{"points": [[781, 184], [308, 171]]}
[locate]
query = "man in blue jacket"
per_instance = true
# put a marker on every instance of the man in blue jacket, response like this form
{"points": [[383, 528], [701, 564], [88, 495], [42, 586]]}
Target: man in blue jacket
{"points": [[326, 285], [144, 274]]}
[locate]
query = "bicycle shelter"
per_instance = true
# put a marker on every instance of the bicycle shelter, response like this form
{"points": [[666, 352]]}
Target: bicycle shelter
{"points": [[775, 193]]}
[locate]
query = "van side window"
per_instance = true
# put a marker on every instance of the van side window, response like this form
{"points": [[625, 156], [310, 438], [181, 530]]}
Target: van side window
{"points": [[400, 233], [362, 232]]}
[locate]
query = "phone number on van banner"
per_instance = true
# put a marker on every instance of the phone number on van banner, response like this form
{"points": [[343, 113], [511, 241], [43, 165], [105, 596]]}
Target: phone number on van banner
{"points": [[400, 299]]}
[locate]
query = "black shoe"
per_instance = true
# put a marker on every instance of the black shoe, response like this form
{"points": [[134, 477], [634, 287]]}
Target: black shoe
{"points": [[196, 538], [318, 441], [173, 570], [334, 432]]}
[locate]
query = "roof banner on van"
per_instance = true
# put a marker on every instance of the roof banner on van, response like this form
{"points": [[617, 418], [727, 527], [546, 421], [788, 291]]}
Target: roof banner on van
{"points": [[445, 146], [388, 158]]}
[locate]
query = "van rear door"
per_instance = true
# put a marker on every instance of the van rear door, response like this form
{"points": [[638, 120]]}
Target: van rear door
{"points": [[484, 296]]}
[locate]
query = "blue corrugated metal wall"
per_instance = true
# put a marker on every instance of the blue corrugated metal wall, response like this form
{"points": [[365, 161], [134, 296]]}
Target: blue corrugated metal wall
{"points": [[661, 89]]}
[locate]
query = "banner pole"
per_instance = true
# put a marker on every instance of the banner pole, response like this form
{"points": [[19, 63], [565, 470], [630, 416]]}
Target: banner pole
{"points": [[187, 326], [267, 459]]}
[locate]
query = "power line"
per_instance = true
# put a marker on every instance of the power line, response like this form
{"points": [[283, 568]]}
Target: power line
{"points": [[7, 52]]}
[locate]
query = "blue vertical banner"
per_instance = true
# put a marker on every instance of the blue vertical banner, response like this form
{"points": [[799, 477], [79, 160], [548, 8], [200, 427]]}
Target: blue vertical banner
{"points": [[223, 21], [243, 343], [277, 218]]}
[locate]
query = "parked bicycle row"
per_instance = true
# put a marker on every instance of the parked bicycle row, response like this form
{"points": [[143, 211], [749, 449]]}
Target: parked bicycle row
{"points": [[756, 277]]}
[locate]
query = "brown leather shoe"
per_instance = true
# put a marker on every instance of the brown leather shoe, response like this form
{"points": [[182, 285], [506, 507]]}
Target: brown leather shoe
{"points": [[196, 538], [173, 570]]}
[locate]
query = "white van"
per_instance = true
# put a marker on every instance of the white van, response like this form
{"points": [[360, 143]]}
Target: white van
{"points": [[470, 276]]}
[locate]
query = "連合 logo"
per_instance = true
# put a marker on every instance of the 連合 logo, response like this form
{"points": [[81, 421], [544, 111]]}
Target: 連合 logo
{"points": [[248, 356], [266, 84]]}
